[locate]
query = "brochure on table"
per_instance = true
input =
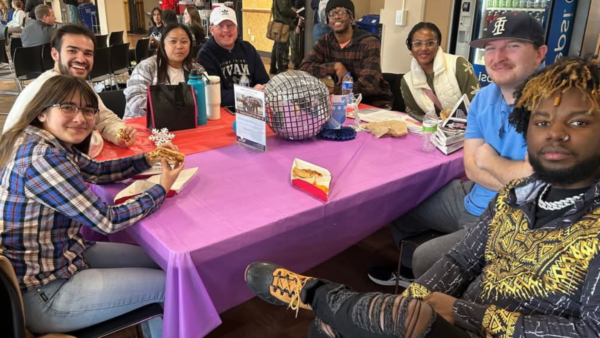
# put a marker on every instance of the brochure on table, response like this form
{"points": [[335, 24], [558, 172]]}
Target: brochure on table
{"points": [[250, 118]]}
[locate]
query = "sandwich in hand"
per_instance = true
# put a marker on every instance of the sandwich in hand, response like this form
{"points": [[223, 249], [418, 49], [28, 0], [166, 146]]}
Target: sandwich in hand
{"points": [[173, 157]]}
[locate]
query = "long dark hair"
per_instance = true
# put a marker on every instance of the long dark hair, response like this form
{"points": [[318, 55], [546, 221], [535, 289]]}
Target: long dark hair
{"points": [[162, 60], [424, 25], [56, 90], [152, 15]]}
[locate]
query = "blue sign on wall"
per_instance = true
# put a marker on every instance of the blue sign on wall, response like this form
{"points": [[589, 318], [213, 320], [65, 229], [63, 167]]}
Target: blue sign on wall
{"points": [[482, 75], [560, 30]]}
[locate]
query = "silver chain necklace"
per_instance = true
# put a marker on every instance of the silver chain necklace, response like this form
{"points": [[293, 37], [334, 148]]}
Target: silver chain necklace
{"points": [[557, 205]]}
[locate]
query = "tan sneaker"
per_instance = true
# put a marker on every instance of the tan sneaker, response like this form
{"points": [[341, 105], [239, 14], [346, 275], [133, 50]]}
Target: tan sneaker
{"points": [[276, 285]]}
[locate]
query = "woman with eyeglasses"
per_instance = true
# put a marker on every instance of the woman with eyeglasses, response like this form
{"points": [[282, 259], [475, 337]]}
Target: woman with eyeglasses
{"points": [[171, 65], [436, 80], [66, 282]]}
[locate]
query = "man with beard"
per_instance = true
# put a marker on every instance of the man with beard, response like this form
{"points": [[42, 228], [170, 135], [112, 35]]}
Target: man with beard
{"points": [[531, 265], [494, 153], [73, 53], [349, 49]]}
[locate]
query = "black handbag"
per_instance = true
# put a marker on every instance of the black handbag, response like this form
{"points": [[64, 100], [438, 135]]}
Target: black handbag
{"points": [[172, 107]]}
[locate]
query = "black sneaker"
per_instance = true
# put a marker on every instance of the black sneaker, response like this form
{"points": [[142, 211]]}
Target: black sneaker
{"points": [[386, 275], [276, 285], [273, 70]]}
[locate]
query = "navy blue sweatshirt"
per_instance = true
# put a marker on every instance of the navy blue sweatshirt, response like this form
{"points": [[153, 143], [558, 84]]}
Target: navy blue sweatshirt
{"points": [[231, 65]]}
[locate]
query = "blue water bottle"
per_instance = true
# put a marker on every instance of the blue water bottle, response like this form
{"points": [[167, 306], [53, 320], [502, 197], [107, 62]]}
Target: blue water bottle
{"points": [[198, 84]]}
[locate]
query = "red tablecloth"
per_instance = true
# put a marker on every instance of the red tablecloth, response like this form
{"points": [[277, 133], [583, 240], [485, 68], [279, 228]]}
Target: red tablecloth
{"points": [[215, 134]]}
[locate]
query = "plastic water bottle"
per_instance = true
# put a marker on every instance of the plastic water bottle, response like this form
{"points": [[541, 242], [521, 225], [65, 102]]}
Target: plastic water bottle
{"points": [[244, 81], [430, 123], [348, 87], [200, 94]]}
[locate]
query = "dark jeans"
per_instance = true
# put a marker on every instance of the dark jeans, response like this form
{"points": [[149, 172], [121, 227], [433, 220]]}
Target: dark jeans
{"points": [[280, 56], [344, 313]]}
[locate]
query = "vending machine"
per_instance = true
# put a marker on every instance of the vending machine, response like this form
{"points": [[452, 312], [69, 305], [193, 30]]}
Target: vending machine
{"points": [[472, 17]]}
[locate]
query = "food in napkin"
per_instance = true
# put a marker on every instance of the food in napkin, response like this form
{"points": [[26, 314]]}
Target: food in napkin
{"points": [[392, 128], [310, 178]]}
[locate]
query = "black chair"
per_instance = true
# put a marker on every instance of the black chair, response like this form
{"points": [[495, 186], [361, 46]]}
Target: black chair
{"points": [[196, 50], [141, 49], [119, 59], [101, 70], [14, 44], [13, 319], [115, 38], [3, 55], [101, 41], [47, 61], [28, 64], [115, 101], [395, 80]]}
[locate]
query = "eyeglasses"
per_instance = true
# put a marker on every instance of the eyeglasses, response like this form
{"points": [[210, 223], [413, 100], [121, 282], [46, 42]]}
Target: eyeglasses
{"points": [[428, 43], [71, 110], [341, 13]]}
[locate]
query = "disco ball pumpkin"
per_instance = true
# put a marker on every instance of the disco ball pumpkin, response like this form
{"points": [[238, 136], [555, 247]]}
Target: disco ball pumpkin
{"points": [[297, 105]]}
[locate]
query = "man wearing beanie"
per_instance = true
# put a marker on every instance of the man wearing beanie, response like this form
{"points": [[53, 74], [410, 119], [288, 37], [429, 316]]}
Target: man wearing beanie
{"points": [[349, 49]]}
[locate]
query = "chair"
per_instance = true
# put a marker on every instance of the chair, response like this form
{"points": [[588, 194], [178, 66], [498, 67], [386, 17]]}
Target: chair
{"points": [[5, 60], [196, 50], [13, 319], [101, 41], [119, 59], [141, 49], [115, 38], [413, 242], [115, 101], [28, 64], [101, 69], [47, 61], [395, 80], [14, 44]]}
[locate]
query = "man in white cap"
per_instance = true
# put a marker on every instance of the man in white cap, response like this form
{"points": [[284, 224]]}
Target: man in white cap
{"points": [[228, 57]]}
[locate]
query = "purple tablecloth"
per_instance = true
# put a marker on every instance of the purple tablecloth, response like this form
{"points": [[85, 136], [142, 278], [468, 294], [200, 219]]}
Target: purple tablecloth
{"points": [[242, 208]]}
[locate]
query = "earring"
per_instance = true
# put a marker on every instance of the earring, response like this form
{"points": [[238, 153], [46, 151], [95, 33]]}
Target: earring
{"points": [[566, 138]]}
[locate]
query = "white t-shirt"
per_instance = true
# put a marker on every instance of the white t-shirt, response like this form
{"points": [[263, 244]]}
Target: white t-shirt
{"points": [[176, 75]]}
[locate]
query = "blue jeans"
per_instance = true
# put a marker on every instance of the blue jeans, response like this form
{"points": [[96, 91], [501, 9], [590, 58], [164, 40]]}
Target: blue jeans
{"points": [[319, 30], [121, 279]]}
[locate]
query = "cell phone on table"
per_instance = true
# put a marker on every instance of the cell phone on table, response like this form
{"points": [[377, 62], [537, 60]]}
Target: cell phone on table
{"points": [[230, 109]]}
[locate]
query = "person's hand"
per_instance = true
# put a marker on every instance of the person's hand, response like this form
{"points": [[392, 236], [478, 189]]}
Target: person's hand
{"points": [[169, 175], [483, 154], [340, 71], [128, 137], [259, 87], [442, 304]]}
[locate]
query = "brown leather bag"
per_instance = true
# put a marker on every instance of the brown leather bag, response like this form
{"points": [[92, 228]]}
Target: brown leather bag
{"points": [[277, 31]]}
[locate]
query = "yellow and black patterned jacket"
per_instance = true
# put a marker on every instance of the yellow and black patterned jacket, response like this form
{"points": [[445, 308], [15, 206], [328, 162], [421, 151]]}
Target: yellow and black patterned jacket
{"points": [[515, 281]]}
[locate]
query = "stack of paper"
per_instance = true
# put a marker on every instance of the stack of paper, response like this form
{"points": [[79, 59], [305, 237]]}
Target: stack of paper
{"points": [[450, 135]]}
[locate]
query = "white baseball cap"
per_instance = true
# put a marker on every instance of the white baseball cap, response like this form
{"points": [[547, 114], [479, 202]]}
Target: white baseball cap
{"points": [[222, 13]]}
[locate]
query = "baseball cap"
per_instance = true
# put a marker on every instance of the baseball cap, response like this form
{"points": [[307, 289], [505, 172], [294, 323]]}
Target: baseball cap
{"points": [[222, 13], [512, 25]]}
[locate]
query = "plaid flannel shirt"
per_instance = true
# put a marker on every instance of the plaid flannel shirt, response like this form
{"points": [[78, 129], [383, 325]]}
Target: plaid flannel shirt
{"points": [[361, 57], [44, 201]]}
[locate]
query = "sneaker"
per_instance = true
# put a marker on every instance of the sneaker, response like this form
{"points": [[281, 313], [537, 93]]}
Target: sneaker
{"points": [[386, 275], [276, 285], [273, 70]]}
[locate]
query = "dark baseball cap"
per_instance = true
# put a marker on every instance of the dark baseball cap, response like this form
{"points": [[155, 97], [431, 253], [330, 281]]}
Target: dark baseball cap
{"points": [[512, 25]]}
